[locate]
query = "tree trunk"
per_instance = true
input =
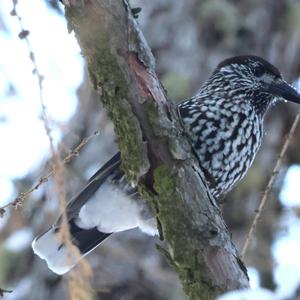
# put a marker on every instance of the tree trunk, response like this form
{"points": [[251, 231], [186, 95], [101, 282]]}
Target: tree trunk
{"points": [[156, 155]]}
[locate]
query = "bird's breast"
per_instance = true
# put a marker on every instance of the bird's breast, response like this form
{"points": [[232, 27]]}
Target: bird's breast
{"points": [[225, 138]]}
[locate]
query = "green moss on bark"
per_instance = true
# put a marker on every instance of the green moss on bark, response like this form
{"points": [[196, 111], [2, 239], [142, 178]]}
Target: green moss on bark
{"points": [[112, 84], [184, 254]]}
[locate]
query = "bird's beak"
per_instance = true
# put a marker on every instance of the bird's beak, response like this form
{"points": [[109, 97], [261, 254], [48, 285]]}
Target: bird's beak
{"points": [[282, 89]]}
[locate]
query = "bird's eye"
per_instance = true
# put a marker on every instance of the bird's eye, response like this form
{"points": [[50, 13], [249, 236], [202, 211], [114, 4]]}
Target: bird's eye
{"points": [[259, 71]]}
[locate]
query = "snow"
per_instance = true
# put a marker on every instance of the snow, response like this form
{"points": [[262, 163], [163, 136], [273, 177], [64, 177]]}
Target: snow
{"points": [[19, 240], [249, 294], [21, 290], [290, 193], [286, 252], [6, 188], [24, 142], [254, 278]]}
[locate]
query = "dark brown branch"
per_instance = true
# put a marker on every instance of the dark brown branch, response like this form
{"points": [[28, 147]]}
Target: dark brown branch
{"points": [[155, 153]]}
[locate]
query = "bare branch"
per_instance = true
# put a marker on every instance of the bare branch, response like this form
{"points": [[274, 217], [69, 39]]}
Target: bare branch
{"points": [[78, 278], [3, 291], [24, 195]]}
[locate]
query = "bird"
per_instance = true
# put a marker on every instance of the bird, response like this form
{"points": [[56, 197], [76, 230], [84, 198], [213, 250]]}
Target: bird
{"points": [[223, 122]]}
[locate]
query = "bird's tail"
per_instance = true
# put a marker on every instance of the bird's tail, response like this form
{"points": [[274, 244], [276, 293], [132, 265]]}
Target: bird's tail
{"points": [[49, 246], [59, 258]]}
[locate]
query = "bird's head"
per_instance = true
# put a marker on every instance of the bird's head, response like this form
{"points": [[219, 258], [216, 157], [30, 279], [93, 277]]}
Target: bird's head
{"points": [[255, 79]]}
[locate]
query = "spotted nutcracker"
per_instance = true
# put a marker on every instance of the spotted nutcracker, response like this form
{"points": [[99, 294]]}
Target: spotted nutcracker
{"points": [[224, 122]]}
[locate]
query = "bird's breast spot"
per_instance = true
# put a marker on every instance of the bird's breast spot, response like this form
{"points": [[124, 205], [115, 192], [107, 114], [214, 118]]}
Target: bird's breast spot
{"points": [[216, 164]]}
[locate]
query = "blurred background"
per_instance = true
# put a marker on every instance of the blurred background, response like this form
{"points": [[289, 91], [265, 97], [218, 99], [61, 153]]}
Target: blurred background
{"points": [[188, 38]]}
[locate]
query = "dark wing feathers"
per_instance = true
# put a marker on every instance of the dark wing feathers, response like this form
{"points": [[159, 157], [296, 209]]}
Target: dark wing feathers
{"points": [[113, 166], [86, 239]]}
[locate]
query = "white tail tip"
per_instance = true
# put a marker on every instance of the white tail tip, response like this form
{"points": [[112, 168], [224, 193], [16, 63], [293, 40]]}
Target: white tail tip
{"points": [[49, 248]]}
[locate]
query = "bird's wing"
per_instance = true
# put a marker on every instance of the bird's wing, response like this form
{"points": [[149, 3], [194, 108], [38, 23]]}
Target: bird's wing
{"points": [[112, 167], [107, 204]]}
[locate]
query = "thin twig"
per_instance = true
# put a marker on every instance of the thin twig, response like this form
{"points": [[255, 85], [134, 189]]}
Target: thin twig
{"points": [[270, 185], [78, 279], [24, 35], [22, 196], [79, 282], [3, 291]]}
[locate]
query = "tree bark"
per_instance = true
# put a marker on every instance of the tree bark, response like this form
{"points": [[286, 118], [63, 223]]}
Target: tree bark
{"points": [[155, 152]]}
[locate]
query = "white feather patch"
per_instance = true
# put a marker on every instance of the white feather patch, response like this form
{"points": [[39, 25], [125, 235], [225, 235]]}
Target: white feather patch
{"points": [[58, 259], [111, 210]]}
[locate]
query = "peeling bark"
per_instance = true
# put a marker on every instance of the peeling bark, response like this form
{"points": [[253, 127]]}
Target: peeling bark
{"points": [[155, 152]]}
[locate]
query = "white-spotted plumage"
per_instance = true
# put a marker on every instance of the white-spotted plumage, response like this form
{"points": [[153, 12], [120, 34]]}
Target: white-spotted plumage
{"points": [[224, 122]]}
